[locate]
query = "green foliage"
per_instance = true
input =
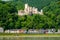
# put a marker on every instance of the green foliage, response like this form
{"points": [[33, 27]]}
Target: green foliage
{"points": [[34, 3], [10, 20], [53, 12], [7, 15]]}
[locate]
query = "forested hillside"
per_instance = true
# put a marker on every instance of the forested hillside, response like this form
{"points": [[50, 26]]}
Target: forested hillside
{"points": [[36, 3], [53, 12], [8, 16], [10, 20]]}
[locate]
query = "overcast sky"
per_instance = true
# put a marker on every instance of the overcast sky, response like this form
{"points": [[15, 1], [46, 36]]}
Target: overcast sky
{"points": [[7, 0]]}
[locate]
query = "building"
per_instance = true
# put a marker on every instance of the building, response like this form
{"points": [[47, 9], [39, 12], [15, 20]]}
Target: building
{"points": [[15, 31], [29, 10], [21, 12], [1, 30], [33, 31]]}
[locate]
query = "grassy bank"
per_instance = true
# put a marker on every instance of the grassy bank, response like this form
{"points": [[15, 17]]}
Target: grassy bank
{"points": [[29, 35]]}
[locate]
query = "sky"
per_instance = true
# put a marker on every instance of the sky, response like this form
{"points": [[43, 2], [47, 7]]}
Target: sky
{"points": [[7, 0]]}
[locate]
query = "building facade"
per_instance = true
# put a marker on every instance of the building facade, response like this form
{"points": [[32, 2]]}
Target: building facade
{"points": [[29, 10], [1, 30]]}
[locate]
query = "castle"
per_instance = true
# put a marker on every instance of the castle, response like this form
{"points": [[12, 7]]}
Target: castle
{"points": [[29, 10]]}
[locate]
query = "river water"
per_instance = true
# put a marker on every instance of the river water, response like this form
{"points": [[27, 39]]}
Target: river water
{"points": [[29, 38]]}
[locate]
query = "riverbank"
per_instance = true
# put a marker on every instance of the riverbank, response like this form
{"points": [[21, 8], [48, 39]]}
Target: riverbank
{"points": [[28, 35]]}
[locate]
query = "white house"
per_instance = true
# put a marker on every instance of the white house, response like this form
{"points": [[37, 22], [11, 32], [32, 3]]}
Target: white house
{"points": [[1, 30], [15, 31]]}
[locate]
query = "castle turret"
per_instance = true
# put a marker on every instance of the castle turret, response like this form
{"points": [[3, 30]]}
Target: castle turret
{"points": [[41, 12], [26, 8], [29, 10]]}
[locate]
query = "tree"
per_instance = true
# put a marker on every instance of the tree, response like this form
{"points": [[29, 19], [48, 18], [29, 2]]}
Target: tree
{"points": [[7, 15], [52, 12]]}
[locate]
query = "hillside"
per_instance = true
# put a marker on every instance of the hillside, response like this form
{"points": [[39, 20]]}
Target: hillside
{"points": [[10, 20], [53, 12], [36, 3]]}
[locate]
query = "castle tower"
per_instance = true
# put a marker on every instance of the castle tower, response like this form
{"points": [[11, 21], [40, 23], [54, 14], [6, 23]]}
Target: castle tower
{"points": [[41, 12], [35, 10], [26, 8]]}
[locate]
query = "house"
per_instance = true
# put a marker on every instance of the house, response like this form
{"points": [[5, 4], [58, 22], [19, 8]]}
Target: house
{"points": [[6, 31], [11, 31], [15, 31], [47, 31], [58, 31], [33, 31], [22, 31], [1, 30], [50, 31], [41, 30]]}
